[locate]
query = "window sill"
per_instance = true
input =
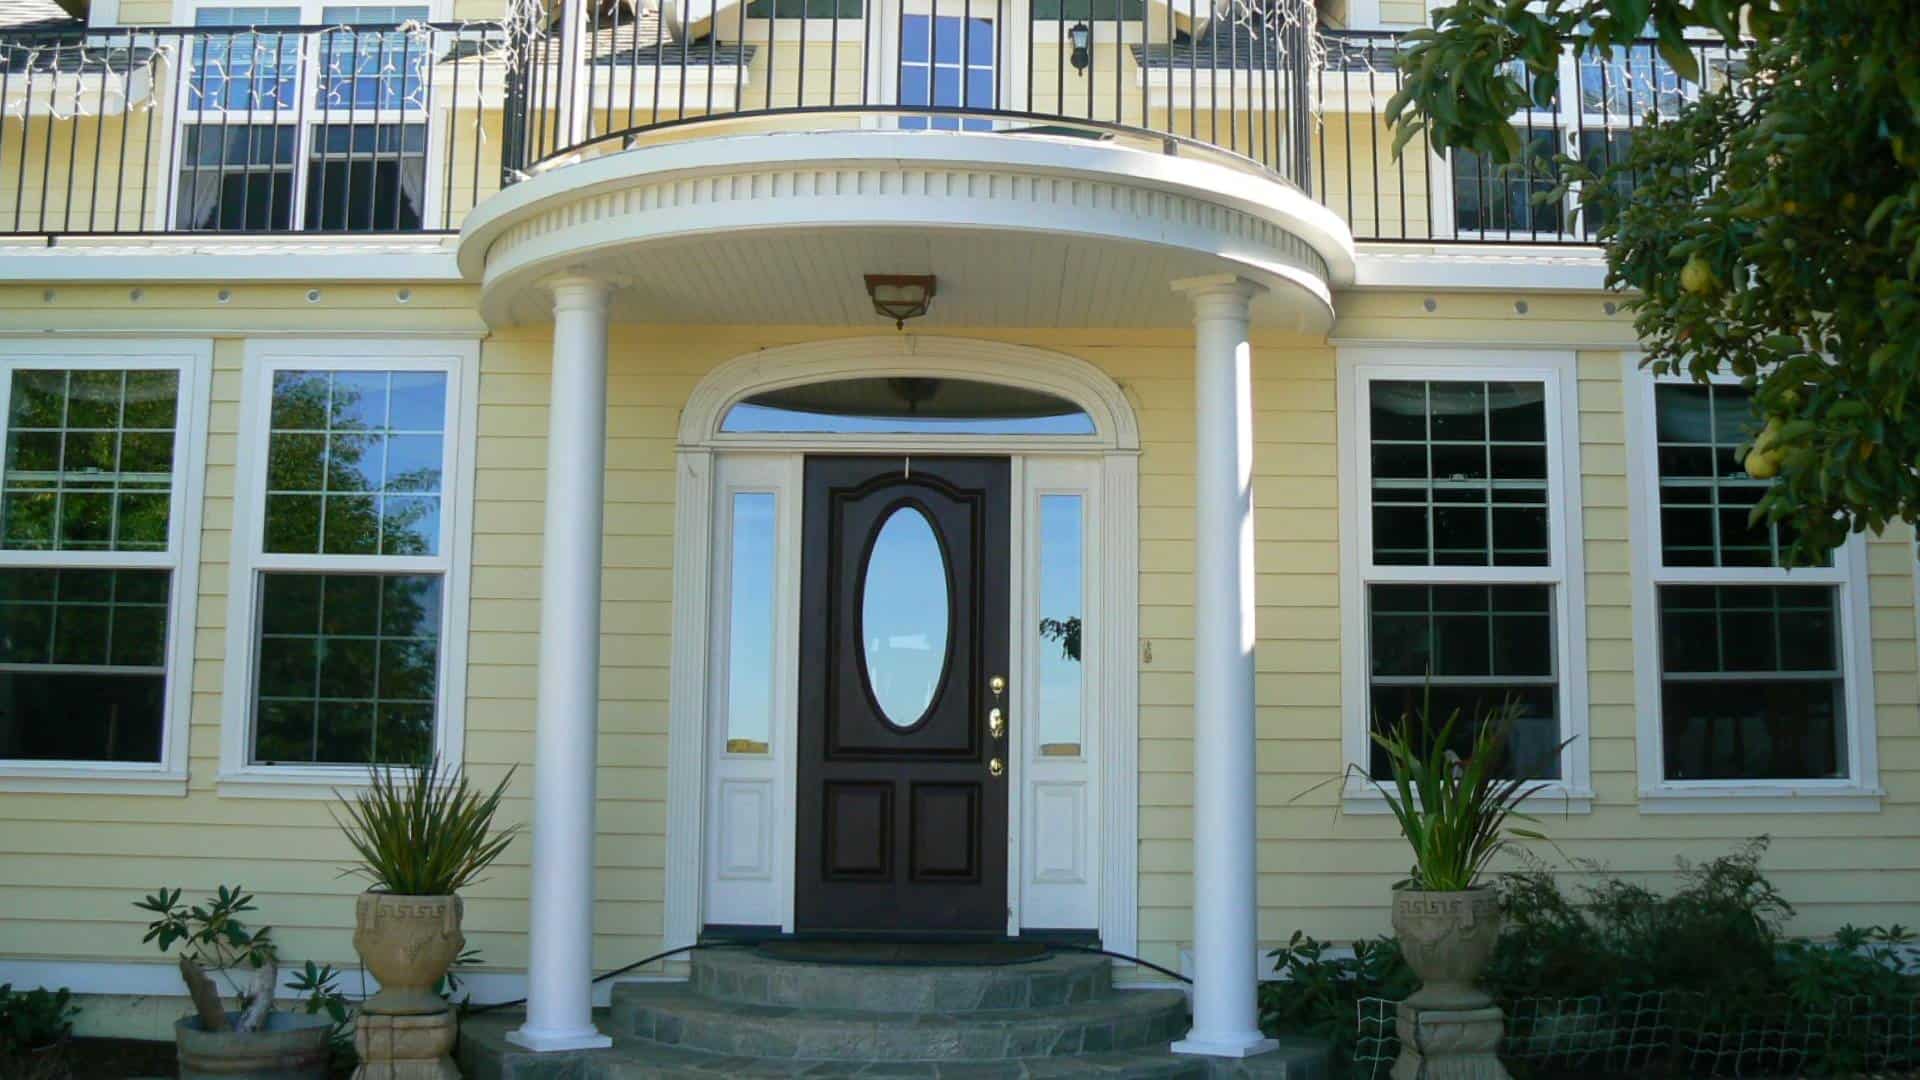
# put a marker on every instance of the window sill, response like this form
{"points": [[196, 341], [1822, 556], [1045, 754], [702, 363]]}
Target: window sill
{"points": [[292, 783], [1761, 799], [1551, 800], [82, 780]]}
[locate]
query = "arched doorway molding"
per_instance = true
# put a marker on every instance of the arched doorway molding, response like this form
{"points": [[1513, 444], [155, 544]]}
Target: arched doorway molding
{"points": [[702, 777]]}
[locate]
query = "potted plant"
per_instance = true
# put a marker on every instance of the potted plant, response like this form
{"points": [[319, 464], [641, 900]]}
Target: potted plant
{"points": [[422, 835], [1457, 813], [251, 1040]]}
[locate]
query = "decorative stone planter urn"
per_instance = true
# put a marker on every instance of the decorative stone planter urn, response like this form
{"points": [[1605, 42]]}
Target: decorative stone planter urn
{"points": [[1449, 1029], [408, 942], [1447, 938], [291, 1046]]}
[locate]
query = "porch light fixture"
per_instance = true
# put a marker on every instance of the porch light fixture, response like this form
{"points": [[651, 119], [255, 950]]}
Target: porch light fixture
{"points": [[900, 296], [1079, 35]]}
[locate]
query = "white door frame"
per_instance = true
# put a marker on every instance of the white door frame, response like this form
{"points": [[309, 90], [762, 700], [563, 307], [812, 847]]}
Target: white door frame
{"points": [[1110, 461]]}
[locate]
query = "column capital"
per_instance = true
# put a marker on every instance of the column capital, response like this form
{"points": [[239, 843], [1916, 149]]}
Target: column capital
{"points": [[577, 291], [1220, 295]]}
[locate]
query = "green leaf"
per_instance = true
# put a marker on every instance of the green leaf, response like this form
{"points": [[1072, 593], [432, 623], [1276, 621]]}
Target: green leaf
{"points": [[1678, 54], [1629, 16]]}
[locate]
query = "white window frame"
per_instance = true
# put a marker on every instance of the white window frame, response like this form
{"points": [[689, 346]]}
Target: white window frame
{"points": [[1565, 572], [459, 359], [193, 359], [306, 115], [1860, 790]]}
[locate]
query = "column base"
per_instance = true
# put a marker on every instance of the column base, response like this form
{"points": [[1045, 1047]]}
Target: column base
{"points": [[1228, 1046], [551, 1040]]}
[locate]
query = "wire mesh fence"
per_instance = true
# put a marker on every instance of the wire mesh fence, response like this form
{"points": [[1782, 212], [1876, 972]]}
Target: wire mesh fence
{"points": [[1669, 1033]]}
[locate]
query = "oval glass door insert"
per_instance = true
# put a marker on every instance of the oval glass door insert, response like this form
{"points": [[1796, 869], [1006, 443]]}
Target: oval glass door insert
{"points": [[904, 616]]}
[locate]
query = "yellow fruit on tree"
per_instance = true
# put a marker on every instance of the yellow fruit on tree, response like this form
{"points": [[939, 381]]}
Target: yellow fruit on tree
{"points": [[1697, 276], [1763, 464]]}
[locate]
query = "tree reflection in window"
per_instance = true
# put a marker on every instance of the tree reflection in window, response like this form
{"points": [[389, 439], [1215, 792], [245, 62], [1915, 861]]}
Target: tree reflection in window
{"points": [[354, 462]]}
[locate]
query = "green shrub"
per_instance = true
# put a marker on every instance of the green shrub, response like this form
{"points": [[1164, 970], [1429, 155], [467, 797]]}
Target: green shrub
{"points": [[1713, 946], [1321, 993], [1617, 936], [34, 1019], [34, 1026]]}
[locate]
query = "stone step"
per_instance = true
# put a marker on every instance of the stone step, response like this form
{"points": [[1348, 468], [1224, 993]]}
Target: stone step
{"points": [[674, 1015], [485, 1054], [744, 977]]}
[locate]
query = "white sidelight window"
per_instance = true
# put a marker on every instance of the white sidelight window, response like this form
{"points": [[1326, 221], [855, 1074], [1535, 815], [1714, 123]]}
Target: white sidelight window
{"points": [[1462, 592], [99, 530], [350, 555], [1754, 683]]}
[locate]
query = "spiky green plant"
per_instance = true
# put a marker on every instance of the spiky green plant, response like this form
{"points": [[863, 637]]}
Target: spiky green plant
{"points": [[1456, 812], [423, 831]]}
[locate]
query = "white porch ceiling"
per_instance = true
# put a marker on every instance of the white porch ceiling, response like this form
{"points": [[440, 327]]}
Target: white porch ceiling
{"points": [[984, 279]]}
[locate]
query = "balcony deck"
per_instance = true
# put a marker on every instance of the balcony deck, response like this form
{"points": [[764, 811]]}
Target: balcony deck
{"points": [[405, 129]]}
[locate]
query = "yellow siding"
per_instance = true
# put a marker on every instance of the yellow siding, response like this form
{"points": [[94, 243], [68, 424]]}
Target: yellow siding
{"points": [[70, 865]]}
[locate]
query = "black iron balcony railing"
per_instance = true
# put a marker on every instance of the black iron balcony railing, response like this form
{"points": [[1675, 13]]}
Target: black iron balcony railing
{"points": [[267, 129], [1181, 74], [405, 128], [1461, 197]]}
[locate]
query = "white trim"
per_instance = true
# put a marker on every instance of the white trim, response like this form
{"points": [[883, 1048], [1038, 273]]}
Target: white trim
{"points": [[193, 359], [911, 354], [238, 261], [608, 207], [264, 356], [1860, 791], [1113, 452], [1565, 572], [1464, 266]]}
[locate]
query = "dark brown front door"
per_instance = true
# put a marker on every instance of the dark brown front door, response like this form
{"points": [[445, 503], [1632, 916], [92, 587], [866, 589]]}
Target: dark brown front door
{"points": [[903, 599]]}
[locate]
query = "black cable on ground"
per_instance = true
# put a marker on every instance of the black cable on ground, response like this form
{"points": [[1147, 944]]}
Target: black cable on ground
{"points": [[476, 1010], [1097, 951]]}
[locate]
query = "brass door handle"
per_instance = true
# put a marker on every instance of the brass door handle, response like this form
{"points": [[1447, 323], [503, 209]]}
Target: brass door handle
{"points": [[996, 766], [996, 724]]}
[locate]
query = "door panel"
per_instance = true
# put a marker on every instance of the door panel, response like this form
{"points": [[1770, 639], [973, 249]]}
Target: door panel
{"points": [[901, 825]]}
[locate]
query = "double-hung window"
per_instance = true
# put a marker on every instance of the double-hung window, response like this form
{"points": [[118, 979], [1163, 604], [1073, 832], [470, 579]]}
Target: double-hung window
{"points": [[99, 522], [1464, 590], [1753, 677], [349, 563], [286, 128]]}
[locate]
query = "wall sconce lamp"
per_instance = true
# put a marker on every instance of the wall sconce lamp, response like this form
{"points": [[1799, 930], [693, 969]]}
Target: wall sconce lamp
{"points": [[1079, 35], [900, 296]]}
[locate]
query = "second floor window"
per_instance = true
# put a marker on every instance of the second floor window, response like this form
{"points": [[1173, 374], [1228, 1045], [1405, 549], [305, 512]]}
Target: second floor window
{"points": [[1600, 100], [288, 130]]}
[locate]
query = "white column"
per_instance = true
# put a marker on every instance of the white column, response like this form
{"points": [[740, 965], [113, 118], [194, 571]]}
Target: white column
{"points": [[1226, 1017], [560, 934]]}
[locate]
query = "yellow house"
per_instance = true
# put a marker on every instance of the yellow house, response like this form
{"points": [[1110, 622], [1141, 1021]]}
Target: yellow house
{"points": [[942, 466]]}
